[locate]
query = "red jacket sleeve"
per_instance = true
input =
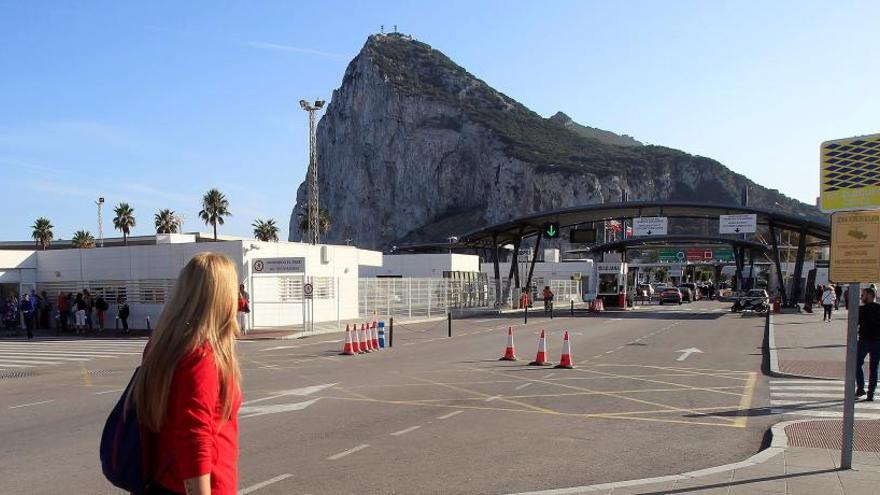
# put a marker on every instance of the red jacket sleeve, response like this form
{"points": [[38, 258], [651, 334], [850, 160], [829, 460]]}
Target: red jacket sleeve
{"points": [[195, 392]]}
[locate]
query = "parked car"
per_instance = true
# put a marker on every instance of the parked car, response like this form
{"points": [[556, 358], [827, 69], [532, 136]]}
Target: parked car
{"points": [[754, 300], [670, 294], [647, 290], [695, 290], [687, 294]]}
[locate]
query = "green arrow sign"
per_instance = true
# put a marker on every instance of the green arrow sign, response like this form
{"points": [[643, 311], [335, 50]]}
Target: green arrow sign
{"points": [[551, 230]]}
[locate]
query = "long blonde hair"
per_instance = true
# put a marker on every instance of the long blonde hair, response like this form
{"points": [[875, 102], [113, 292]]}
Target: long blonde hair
{"points": [[202, 309]]}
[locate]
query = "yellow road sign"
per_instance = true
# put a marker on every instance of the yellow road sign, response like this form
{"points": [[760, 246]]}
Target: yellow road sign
{"points": [[850, 174], [855, 246]]}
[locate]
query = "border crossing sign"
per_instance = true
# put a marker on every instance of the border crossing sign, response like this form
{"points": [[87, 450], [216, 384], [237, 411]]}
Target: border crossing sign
{"points": [[850, 174]]}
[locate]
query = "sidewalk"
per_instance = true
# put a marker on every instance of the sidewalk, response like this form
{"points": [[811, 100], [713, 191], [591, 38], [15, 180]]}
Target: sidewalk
{"points": [[805, 346]]}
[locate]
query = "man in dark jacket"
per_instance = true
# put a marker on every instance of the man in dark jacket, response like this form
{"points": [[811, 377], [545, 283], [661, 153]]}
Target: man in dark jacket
{"points": [[869, 343]]}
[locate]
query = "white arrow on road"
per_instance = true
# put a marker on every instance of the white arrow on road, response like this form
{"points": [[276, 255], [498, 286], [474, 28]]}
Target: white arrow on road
{"points": [[302, 392], [251, 411], [687, 352]]}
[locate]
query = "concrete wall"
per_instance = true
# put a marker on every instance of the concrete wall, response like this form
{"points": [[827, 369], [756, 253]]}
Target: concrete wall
{"points": [[423, 265]]}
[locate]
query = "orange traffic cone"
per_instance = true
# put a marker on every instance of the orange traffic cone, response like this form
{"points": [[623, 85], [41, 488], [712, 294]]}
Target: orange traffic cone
{"points": [[565, 360], [541, 359], [375, 336], [365, 340], [357, 345], [509, 353], [347, 349]]}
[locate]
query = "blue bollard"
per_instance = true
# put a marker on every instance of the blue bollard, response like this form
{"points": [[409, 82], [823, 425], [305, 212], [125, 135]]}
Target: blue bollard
{"points": [[381, 331]]}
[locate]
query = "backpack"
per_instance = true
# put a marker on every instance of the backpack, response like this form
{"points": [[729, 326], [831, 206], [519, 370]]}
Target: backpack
{"points": [[122, 445]]}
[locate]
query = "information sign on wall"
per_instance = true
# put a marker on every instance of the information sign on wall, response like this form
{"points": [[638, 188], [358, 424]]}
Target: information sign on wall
{"points": [[279, 265]]}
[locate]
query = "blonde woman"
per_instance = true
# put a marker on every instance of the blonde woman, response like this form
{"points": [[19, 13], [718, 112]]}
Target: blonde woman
{"points": [[188, 388]]}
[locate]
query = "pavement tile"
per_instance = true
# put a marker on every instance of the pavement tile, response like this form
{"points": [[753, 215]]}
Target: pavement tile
{"points": [[859, 487], [815, 485], [757, 489]]}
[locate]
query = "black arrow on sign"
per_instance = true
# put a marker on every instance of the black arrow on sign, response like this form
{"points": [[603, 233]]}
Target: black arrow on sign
{"points": [[736, 230], [649, 232]]}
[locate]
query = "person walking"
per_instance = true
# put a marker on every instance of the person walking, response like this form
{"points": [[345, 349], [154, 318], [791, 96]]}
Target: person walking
{"points": [[827, 303], [45, 311], [79, 314], [122, 310], [869, 343], [838, 293], [187, 390], [244, 308], [27, 313], [101, 307]]}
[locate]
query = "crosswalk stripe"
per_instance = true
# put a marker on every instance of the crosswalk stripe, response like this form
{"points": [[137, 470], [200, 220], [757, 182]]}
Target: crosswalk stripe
{"points": [[822, 413], [807, 388], [22, 361], [807, 395], [53, 357], [814, 382], [53, 352]]}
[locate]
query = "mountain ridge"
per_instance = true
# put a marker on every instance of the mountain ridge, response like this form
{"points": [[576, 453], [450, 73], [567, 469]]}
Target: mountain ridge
{"points": [[414, 148]]}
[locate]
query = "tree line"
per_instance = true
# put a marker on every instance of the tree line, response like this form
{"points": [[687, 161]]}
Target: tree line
{"points": [[215, 208]]}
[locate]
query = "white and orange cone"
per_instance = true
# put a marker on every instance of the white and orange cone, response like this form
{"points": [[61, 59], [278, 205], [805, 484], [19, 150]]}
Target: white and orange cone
{"points": [[357, 344], [541, 359], [509, 352], [374, 334], [565, 360], [347, 348], [365, 339]]}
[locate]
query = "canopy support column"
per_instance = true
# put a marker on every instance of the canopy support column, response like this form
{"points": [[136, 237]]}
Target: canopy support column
{"points": [[497, 270], [779, 278], [799, 267], [534, 258]]}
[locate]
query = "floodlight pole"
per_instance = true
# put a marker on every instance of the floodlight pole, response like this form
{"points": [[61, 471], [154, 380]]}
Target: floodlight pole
{"points": [[313, 205], [100, 203]]}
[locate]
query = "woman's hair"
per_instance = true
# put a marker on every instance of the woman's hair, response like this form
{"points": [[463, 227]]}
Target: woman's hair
{"points": [[202, 309]]}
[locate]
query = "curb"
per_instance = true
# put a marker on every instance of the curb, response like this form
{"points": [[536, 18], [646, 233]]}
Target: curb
{"points": [[774, 356], [778, 445]]}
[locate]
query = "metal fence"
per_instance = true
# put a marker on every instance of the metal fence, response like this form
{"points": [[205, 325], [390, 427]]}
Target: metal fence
{"points": [[419, 298]]}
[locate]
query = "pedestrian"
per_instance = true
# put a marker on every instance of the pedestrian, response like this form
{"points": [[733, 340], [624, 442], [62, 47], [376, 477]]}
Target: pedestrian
{"points": [[90, 306], [827, 303], [187, 389], [101, 308], [524, 299], [123, 311], [244, 308], [548, 298], [71, 310], [61, 304], [80, 313], [10, 315], [838, 292], [869, 343], [27, 313]]}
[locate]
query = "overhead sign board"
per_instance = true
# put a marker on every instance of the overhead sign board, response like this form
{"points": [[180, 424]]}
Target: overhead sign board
{"points": [[850, 174], [279, 265], [737, 224], [671, 255], [645, 226], [855, 246]]}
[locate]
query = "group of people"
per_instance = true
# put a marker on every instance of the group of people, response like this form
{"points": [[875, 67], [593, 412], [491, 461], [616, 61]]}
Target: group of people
{"points": [[81, 312]]}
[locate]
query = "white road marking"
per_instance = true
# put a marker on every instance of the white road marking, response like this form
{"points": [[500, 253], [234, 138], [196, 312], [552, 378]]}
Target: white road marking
{"points": [[32, 404], [347, 452], [524, 385], [447, 416], [24, 361], [263, 484], [252, 411], [302, 392], [405, 431], [490, 399], [808, 388], [110, 391], [59, 357], [548, 375], [814, 382], [807, 395], [279, 348]]}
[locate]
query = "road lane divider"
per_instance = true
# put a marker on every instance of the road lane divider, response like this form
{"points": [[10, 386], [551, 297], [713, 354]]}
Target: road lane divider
{"points": [[447, 416], [405, 431], [264, 484], [348, 452], [29, 404]]}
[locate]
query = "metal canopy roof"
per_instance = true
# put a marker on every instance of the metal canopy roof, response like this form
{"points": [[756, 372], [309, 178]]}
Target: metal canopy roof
{"points": [[670, 240], [507, 232]]}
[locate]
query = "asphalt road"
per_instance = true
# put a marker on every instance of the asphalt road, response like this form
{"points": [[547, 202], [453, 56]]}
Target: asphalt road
{"points": [[439, 415]]}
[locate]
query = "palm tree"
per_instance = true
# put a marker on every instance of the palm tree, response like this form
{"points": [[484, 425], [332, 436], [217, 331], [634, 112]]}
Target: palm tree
{"points": [[83, 239], [167, 222], [266, 231], [214, 208], [124, 220], [42, 232], [323, 221]]}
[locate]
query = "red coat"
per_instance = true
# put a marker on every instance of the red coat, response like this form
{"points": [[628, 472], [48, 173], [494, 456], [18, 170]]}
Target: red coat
{"points": [[194, 439]]}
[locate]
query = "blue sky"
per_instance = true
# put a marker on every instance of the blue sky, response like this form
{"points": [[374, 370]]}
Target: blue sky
{"points": [[155, 102]]}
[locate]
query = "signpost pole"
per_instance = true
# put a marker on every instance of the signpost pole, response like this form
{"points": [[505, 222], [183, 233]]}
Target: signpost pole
{"points": [[849, 395]]}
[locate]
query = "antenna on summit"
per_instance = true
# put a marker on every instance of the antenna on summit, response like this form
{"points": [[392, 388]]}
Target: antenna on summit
{"points": [[382, 29]]}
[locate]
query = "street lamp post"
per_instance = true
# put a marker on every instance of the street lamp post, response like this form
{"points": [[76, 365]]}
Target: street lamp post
{"points": [[313, 206], [100, 203]]}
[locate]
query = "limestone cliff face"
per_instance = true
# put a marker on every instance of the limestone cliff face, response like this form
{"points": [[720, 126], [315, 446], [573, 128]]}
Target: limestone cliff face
{"points": [[413, 148]]}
